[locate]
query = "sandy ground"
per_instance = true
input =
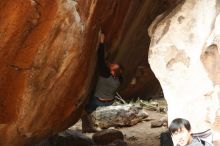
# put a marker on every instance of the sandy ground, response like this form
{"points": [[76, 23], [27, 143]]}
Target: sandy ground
{"points": [[140, 134]]}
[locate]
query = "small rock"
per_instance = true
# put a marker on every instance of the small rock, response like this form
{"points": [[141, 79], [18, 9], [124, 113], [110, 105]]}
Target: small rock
{"points": [[118, 142], [107, 136], [155, 124], [164, 119], [71, 138]]}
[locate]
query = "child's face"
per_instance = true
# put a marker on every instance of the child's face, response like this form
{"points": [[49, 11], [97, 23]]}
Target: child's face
{"points": [[182, 137]]}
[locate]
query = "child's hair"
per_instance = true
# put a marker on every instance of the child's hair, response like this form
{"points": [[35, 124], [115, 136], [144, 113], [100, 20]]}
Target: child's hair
{"points": [[179, 123]]}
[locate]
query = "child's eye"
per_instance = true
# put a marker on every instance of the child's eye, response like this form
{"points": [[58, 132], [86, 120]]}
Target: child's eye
{"points": [[182, 130]]}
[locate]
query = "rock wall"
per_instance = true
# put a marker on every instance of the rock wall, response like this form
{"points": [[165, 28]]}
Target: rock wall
{"points": [[43, 50], [48, 57], [184, 55]]}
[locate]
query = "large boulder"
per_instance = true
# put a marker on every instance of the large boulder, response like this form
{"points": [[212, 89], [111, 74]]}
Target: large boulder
{"points": [[119, 115], [184, 55], [43, 51]]}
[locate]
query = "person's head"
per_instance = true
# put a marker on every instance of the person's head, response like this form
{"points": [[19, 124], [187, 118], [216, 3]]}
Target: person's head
{"points": [[116, 69], [180, 130]]}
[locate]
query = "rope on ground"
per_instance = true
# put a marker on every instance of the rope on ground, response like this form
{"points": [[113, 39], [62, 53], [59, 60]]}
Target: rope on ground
{"points": [[118, 96]]}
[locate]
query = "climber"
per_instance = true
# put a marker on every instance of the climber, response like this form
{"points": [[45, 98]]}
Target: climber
{"points": [[109, 80]]}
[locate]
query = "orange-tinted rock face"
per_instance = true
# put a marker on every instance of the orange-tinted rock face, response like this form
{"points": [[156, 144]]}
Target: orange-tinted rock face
{"points": [[48, 56], [44, 60]]}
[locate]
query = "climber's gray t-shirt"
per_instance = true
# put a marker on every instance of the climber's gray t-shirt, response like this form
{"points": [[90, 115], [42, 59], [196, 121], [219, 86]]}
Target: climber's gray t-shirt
{"points": [[106, 87]]}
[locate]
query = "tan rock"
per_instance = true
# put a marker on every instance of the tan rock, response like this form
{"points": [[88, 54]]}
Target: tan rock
{"points": [[184, 57]]}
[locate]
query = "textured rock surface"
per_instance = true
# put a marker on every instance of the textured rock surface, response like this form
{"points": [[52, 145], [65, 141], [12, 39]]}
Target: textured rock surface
{"points": [[184, 55], [47, 58], [42, 48], [143, 85], [119, 115], [67, 138], [107, 136]]}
